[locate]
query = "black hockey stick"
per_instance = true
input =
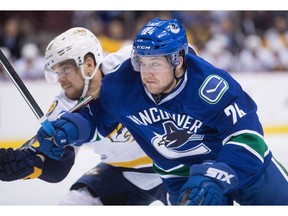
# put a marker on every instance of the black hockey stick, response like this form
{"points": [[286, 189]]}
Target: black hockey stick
{"points": [[78, 106], [26, 94]]}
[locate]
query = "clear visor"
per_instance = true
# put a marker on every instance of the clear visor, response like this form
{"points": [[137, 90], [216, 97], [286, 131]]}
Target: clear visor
{"points": [[50, 75], [150, 64], [62, 69]]}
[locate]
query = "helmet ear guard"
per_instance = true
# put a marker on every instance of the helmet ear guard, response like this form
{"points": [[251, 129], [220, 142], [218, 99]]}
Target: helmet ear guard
{"points": [[174, 59]]}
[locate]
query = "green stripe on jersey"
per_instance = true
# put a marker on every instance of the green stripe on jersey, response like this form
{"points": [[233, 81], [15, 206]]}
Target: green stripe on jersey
{"points": [[183, 171], [281, 166], [255, 142]]}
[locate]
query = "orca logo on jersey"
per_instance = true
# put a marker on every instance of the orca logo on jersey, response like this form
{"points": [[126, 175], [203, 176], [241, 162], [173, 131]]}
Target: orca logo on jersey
{"points": [[172, 143], [174, 137], [213, 88]]}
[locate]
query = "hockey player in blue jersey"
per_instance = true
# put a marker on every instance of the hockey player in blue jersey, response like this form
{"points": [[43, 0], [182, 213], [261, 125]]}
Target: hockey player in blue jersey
{"points": [[194, 120]]}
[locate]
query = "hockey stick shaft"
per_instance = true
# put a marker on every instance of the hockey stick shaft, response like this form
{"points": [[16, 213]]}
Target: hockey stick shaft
{"points": [[86, 101], [78, 106], [26, 94]]}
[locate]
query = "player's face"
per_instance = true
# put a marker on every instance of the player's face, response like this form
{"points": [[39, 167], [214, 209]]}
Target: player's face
{"points": [[70, 79], [157, 74]]}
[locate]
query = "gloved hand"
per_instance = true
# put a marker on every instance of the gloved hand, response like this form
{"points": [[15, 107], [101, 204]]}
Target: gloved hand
{"points": [[207, 184], [20, 164], [70, 129], [49, 148]]}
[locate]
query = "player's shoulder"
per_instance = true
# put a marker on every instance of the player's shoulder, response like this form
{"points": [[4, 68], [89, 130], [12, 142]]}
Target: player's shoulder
{"points": [[111, 61], [214, 86], [122, 72], [120, 80]]}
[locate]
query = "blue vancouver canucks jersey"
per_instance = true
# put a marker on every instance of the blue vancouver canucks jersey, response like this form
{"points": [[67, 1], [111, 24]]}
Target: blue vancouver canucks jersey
{"points": [[207, 117]]}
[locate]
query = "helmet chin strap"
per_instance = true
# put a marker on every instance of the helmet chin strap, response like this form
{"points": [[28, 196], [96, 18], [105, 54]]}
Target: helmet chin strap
{"points": [[85, 88], [175, 77], [86, 80]]}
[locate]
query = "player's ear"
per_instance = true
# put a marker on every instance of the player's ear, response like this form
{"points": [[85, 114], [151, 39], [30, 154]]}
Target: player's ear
{"points": [[179, 68], [180, 60], [89, 66]]}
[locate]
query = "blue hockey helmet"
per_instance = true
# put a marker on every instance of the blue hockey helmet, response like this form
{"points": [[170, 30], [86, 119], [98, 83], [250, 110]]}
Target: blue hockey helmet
{"points": [[160, 38]]}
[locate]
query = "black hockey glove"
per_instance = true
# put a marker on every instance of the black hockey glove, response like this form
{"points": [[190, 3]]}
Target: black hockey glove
{"points": [[20, 164]]}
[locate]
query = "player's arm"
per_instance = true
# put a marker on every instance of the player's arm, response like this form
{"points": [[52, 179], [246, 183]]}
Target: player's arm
{"points": [[74, 129], [235, 118], [244, 154], [242, 159], [244, 147], [77, 128], [56, 170], [30, 163]]}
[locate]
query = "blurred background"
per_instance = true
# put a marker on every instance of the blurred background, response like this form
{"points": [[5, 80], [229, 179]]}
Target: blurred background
{"points": [[237, 41]]}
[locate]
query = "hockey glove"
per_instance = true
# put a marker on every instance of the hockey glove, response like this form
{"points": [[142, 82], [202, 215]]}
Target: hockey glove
{"points": [[70, 129], [20, 164], [48, 147], [208, 184]]}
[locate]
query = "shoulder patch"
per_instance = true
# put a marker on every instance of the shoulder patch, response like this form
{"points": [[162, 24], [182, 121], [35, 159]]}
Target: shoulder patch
{"points": [[52, 107], [213, 88]]}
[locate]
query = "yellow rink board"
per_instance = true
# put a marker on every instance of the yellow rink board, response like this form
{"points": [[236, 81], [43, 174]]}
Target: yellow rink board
{"points": [[13, 143]]}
